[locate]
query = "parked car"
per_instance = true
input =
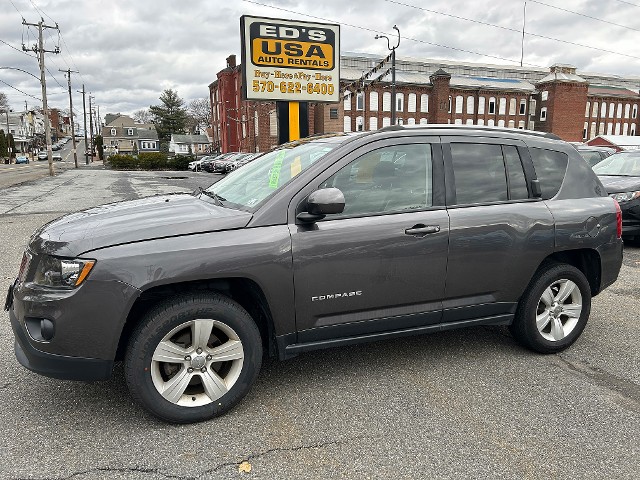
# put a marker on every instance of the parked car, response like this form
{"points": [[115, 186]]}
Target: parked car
{"points": [[209, 165], [197, 164], [22, 159], [56, 157], [42, 155], [594, 154], [243, 161], [224, 166], [620, 175], [324, 242]]}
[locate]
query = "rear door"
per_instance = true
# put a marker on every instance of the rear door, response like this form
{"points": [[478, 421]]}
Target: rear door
{"points": [[381, 264], [498, 234]]}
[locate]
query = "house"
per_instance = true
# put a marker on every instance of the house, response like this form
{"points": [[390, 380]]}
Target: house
{"points": [[186, 144], [122, 135], [619, 142]]}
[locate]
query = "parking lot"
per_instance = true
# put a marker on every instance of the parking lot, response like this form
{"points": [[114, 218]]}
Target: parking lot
{"points": [[458, 404]]}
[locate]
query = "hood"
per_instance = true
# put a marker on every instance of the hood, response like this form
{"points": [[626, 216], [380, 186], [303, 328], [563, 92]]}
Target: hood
{"points": [[619, 184], [134, 221]]}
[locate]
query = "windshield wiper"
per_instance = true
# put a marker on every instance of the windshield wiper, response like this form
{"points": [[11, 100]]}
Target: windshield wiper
{"points": [[217, 198]]}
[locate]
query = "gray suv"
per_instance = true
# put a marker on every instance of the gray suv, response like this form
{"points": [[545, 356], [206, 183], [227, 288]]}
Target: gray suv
{"points": [[329, 241]]}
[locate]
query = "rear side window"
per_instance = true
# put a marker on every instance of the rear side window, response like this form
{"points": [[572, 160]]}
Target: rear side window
{"points": [[479, 173], [550, 167], [515, 174]]}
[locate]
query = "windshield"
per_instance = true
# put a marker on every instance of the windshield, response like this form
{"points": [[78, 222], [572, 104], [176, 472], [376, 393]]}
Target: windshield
{"points": [[250, 185], [626, 164]]}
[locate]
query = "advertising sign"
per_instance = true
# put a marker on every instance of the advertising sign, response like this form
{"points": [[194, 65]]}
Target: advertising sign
{"points": [[290, 60]]}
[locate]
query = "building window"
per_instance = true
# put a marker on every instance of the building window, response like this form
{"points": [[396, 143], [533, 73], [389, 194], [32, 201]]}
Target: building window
{"points": [[373, 101], [481, 101], [255, 123], [411, 121], [359, 124], [386, 121], [609, 128], [543, 114], [501, 123], [523, 107], [512, 124], [545, 96], [333, 113], [399, 102], [273, 124], [130, 132], [521, 125], [244, 126], [586, 111], [492, 106], [469, 121], [360, 101], [424, 103], [625, 129], [502, 106], [603, 110], [619, 111], [592, 131], [386, 102], [594, 110], [627, 108], [617, 129], [373, 123], [601, 128], [585, 128], [491, 122], [113, 132], [347, 123], [470, 105], [481, 121], [347, 100], [532, 107], [633, 129], [450, 104], [512, 106], [459, 100], [399, 121], [458, 121], [634, 112], [411, 103], [424, 121]]}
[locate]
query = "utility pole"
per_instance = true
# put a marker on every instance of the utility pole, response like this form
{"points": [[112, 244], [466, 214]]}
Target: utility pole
{"points": [[73, 129], [39, 49], [393, 72], [84, 110], [91, 126]]}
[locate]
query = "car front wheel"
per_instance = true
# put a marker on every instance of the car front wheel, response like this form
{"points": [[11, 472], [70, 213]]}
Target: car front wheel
{"points": [[193, 358], [554, 310]]}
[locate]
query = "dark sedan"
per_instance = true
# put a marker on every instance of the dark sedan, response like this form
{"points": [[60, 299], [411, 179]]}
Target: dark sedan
{"points": [[620, 175]]}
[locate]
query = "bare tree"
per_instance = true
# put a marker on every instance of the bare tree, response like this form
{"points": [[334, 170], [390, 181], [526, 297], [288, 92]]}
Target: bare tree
{"points": [[142, 116], [200, 114], [4, 101]]}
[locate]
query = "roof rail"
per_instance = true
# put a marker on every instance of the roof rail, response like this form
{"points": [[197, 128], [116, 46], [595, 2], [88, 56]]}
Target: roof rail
{"points": [[483, 128]]}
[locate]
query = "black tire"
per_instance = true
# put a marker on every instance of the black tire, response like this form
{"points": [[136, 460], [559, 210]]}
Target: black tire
{"points": [[184, 316], [524, 327]]}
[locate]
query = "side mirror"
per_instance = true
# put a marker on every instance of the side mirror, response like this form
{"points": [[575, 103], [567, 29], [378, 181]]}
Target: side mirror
{"points": [[322, 202], [536, 189]]}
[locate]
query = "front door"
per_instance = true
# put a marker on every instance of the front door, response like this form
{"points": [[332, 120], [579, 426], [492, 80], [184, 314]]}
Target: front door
{"points": [[381, 264]]}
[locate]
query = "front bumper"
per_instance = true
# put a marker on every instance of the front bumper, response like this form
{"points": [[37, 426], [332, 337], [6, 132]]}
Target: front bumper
{"points": [[56, 366], [630, 217]]}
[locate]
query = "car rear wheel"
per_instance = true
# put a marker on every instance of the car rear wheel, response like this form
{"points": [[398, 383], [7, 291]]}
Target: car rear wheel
{"points": [[554, 310], [193, 358]]}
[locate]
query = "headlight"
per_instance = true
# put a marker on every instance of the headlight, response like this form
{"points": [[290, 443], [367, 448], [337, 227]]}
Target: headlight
{"points": [[625, 197], [59, 272]]}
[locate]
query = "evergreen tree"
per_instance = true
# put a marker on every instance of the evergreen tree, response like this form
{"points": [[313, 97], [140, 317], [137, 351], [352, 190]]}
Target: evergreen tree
{"points": [[99, 143], [3, 144], [170, 117]]}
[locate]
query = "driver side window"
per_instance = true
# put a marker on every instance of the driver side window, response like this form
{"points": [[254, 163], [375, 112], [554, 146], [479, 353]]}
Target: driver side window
{"points": [[389, 179]]}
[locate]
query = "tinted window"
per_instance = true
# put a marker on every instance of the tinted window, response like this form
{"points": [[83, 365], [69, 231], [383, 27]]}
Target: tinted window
{"points": [[396, 178], [591, 158], [515, 174], [479, 173], [550, 167]]}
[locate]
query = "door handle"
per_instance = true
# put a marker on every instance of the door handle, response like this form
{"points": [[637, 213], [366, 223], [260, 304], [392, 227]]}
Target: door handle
{"points": [[421, 229]]}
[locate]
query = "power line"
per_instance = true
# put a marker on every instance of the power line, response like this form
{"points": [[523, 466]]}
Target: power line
{"points": [[514, 30], [629, 3], [585, 15], [417, 40], [17, 89], [42, 12], [15, 48]]}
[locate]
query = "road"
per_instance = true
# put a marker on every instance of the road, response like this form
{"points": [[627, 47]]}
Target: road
{"points": [[458, 404], [13, 174]]}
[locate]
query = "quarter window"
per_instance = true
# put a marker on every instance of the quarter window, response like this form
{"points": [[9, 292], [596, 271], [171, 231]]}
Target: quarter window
{"points": [[390, 179], [550, 167], [515, 173]]}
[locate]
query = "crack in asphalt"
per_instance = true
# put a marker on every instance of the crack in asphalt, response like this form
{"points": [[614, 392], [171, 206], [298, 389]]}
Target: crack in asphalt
{"points": [[32, 199], [625, 392], [155, 471]]}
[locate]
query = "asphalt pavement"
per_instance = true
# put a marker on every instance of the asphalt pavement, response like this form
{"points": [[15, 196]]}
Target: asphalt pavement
{"points": [[458, 404]]}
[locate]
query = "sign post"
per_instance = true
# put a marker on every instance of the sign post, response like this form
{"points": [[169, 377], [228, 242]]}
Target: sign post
{"points": [[292, 63]]}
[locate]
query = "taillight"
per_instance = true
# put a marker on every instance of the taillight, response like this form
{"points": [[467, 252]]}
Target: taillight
{"points": [[618, 220]]}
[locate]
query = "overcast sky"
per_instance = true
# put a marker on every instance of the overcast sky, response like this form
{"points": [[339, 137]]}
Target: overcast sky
{"points": [[128, 52]]}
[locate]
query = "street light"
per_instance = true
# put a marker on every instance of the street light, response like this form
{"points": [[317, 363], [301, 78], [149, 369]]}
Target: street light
{"points": [[393, 72]]}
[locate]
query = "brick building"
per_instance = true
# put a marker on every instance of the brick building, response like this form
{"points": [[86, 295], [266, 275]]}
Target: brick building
{"points": [[576, 107]]}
